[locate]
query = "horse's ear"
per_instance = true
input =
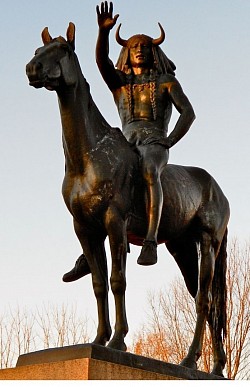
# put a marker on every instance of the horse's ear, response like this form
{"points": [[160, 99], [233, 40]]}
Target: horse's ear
{"points": [[71, 34], [46, 38]]}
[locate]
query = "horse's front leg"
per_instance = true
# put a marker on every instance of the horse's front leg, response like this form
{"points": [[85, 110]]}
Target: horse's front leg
{"points": [[203, 300], [116, 229], [93, 246]]}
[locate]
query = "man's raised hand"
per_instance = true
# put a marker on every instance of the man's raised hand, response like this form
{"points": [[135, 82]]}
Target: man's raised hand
{"points": [[105, 16]]}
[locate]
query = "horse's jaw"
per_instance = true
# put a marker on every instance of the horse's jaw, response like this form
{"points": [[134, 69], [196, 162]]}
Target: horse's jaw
{"points": [[49, 84], [36, 84]]}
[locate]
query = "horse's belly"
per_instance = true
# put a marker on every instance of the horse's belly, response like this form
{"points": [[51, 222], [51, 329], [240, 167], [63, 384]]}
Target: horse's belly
{"points": [[169, 228], [177, 217], [175, 223]]}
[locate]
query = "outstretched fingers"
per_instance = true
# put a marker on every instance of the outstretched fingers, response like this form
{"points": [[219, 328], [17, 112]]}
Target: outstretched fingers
{"points": [[104, 9], [110, 7], [105, 15]]}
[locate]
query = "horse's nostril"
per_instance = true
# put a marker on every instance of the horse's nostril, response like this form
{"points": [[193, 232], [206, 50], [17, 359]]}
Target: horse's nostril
{"points": [[33, 67]]}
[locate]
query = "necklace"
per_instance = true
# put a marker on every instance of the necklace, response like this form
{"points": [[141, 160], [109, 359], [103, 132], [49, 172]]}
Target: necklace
{"points": [[141, 86], [130, 88]]}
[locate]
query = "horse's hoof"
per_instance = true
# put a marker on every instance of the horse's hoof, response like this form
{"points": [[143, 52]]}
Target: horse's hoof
{"points": [[220, 374], [98, 342], [117, 344], [101, 340], [217, 372], [189, 363]]}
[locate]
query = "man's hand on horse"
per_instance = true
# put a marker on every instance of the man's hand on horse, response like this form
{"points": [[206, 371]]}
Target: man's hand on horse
{"points": [[155, 141]]}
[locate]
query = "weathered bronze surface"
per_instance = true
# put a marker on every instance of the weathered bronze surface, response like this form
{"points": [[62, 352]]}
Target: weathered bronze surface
{"points": [[105, 193]]}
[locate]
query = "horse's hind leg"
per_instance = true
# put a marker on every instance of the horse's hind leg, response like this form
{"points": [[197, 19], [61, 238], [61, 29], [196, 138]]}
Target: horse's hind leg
{"points": [[116, 229], [218, 351], [218, 315], [93, 246], [203, 299], [184, 251]]}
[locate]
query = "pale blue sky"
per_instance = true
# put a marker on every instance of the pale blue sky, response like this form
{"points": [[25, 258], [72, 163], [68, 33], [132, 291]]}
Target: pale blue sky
{"points": [[209, 43]]}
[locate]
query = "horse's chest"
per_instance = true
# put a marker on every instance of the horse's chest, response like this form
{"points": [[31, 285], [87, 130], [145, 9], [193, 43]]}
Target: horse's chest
{"points": [[86, 200]]}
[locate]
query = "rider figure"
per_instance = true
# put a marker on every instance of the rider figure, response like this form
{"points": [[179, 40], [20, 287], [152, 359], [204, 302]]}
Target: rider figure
{"points": [[144, 88]]}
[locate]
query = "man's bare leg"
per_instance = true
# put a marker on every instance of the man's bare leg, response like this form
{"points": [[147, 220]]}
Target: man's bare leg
{"points": [[148, 254], [155, 157]]}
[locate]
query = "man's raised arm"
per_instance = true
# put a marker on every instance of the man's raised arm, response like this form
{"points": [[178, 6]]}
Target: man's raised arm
{"points": [[106, 22]]}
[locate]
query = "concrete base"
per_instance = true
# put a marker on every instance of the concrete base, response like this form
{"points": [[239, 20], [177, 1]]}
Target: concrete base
{"points": [[94, 362]]}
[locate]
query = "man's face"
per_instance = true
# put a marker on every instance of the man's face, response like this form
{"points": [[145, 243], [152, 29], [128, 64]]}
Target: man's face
{"points": [[140, 49]]}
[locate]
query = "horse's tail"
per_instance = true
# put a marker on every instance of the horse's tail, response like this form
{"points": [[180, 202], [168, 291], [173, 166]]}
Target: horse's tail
{"points": [[218, 313]]}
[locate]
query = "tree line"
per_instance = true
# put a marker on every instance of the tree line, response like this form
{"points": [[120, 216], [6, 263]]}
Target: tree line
{"points": [[167, 330]]}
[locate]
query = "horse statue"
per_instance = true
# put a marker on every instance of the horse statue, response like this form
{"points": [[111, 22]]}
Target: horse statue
{"points": [[104, 192]]}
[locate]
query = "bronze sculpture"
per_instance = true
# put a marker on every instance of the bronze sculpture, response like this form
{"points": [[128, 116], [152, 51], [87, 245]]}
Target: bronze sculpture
{"points": [[144, 88], [100, 192]]}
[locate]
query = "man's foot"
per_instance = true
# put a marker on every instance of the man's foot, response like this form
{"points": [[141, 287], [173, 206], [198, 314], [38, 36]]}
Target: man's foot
{"points": [[80, 269], [148, 254]]}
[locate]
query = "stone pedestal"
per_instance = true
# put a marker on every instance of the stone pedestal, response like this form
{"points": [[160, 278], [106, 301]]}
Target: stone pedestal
{"points": [[94, 362]]}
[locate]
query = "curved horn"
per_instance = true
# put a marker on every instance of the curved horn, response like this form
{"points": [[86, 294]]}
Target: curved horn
{"points": [[119, 40], [46, 38], [161, 39]]}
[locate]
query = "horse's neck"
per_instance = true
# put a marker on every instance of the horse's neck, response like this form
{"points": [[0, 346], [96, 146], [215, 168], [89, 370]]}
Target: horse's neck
{"points": [[82, 124]]}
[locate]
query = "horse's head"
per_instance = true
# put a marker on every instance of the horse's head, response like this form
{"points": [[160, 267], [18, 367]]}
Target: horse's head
{"points": [[52, 64]]}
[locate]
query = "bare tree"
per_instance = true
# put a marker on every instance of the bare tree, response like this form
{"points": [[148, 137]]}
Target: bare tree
{"points": [[238, 309], [6, 353], [170, 324], [23, 331], [61, 326]]}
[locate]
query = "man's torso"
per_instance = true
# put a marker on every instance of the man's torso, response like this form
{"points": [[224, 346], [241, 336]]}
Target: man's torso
{"points": [[143, 104]]}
